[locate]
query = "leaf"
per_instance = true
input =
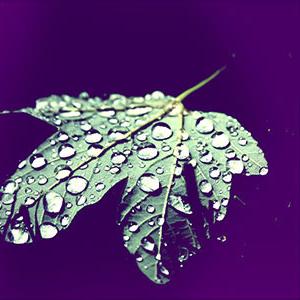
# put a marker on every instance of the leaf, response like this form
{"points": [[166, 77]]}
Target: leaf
{"points": [[149, 141]]}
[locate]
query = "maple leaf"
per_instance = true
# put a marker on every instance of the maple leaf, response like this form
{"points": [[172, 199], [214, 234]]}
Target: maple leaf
{"points": [[147, 140]]}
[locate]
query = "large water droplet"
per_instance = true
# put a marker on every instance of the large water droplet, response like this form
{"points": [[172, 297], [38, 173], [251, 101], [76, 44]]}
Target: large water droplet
{"points": [[206, 157], [149, 183], [10, 187], [220, 140], [204, 125], [205, 187], [76, 185], [138, 111], [62, 136], [53, 202], [66, 151], [48, 231], [19, 235], [118, 158], [62, 172], [182, 151], [161, 131], [93, 136], [227, 177], [236, 166], [38, 161], [147, 151], [94, 150]]}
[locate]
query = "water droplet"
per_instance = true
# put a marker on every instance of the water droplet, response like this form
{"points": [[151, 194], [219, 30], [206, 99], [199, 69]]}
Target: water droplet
{"points": [[150, 209], [76, 185], [242, 141], [118, 158], [227, 177], [66, 151], [65, 220], [19, 236], [149, 183], [133, 227], [107, 113], [230, 153], [100, 186], [53, 202], [62, 136], [166, 148], [148, 244], [48, 231], [160, 221], [206, 157], [147, 151], [214, 172], [94, 150], [141, 137], [220, 140], [263, 171], [205, 187], [114, 170], [138, 111], [245, 157], [117, 133], [62, 172], [236, 166], [10, 187], [30, 179], [7, 199], [182, 152], [93, 136], [22, 164], [38, 161], [161, 131], [204, 125], [164, 270], [85, 126], [160, 170], [29, 201], [157, 95], [81, 200], [42, 180]]}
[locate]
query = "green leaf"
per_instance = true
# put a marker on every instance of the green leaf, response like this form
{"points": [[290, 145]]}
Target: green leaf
{"points": [[149, 141]]}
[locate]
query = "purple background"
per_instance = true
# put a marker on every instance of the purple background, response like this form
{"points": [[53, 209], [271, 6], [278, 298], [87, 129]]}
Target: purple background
{"points": [[135, 47]]}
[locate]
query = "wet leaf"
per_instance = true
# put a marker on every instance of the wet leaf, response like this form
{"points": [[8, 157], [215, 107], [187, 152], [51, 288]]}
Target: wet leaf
{"points": [[147, 140]]}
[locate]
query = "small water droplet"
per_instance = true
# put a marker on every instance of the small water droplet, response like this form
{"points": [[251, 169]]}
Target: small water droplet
{"points": [[148, 244], [65, 220], [150, 209], [214, 172], [159, 170], [263, 171], [100, 186], [19, 236], [227, 177], [206, 157], [62, 136], [81, 200], [62, 172], [229, 153], [107, 113], [133, 227], [138, 111], [182, 152], [242, 141], [42, 180], [22, 164]]}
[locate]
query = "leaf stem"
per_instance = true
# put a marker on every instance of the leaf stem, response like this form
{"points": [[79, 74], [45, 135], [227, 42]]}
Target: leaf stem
{"points": [[199, 85]]}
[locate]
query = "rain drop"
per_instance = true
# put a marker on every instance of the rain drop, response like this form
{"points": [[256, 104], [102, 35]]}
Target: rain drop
{"points": [[147, 151], [76, 185], [149, 183], [66, 151], [38, 161], [204, 125], [161, 131]]}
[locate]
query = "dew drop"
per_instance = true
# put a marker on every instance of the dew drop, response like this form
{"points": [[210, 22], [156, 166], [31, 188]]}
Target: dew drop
{"points": [[62, 172], [220, 140], [42, 180], [107, 113], [118, 158], [38, 161], [138, 111], [161, 131], [206, 157], [230, 153], [159, 170], [65, 220], [94, 150], [205, 187], [214, 172], [66, 151], [149, 183], [148, 244], [22, 164], [76, 185], [147, 151], [133, 227], [81, 200], [19, 236], [182, 152], [10, 187], [93, 136], [62, 136], [263, 171], [150, 209], [242, 141], [53, 202], [48, 230], [204, 125], [100, 186], [236, 166], [227, 177]]}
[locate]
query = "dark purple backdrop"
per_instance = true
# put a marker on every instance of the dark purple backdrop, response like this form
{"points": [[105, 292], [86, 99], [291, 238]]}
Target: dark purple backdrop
{"points": [[134, 47]]}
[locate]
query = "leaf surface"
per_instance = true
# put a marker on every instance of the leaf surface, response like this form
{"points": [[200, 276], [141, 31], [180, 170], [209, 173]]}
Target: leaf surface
{"points": [[147, 140]]}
